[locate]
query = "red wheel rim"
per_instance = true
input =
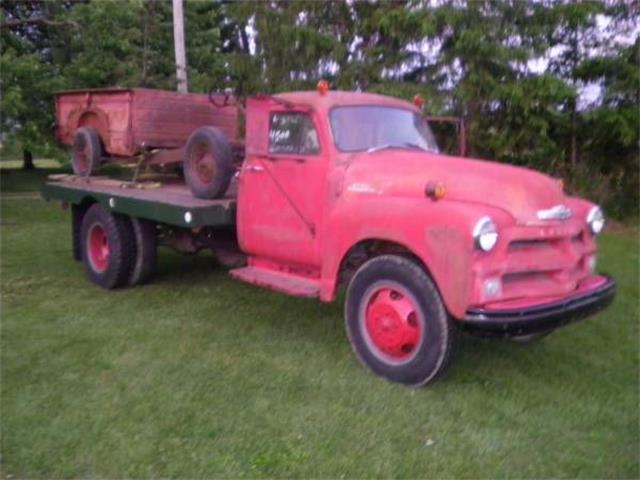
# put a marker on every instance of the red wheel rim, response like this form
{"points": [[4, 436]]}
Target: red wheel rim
{"points": [[98, 248], [393, 324], [204, 164]]}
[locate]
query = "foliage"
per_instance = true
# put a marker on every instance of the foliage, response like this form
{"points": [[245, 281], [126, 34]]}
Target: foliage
{"points": [[514, 70], [28, 76], [611, 133]]}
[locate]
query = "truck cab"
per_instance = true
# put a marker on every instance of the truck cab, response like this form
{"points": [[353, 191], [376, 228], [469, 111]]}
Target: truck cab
{"points": [[333, 180]]}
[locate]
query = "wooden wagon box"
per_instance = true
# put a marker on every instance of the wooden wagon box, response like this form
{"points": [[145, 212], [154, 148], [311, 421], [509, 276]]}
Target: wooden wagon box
{"points": [[133, 119]]}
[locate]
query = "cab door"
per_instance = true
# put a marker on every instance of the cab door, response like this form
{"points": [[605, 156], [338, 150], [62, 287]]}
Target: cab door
{"points": [[282, 183]]}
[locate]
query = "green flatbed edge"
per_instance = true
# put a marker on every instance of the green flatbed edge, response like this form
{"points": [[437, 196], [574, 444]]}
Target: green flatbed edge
{"points": [[168, 205]]}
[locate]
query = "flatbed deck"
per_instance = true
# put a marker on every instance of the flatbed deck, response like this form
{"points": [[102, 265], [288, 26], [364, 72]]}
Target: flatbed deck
{"points": [[166, 201]]}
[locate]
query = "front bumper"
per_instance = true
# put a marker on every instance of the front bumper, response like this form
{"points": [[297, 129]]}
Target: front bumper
{"points": [[539, 318]]}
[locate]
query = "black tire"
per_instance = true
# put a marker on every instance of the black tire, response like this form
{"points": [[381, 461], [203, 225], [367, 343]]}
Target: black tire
{"points": [[146, 261], [77, 214], [208, 163], [86, 152], [432, 351], [111, 265]]}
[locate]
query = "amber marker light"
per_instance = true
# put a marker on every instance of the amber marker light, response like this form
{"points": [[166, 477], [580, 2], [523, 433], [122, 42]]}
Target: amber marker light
{"points": [[322, 87], [418, 101], [435, 190]]}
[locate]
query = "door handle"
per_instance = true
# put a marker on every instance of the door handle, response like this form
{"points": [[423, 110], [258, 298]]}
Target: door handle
{"points": [[281, 158], [286, 159], [254, 168]]}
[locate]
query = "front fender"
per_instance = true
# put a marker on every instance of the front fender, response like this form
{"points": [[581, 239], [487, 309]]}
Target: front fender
{"points": [[437, 232]]}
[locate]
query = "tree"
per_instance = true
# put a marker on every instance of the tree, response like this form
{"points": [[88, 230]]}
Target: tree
{"points": [[574, 32], [611, 130], [52, 46], [481, 66], [27, 39]]}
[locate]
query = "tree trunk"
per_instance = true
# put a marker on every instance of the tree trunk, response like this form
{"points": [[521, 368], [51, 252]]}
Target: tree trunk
{"points": [[574, 143], [145, 44], [27, 160], [575, 57]]}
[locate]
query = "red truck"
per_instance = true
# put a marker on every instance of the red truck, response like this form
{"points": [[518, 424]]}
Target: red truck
{"points": [[345, 189]]}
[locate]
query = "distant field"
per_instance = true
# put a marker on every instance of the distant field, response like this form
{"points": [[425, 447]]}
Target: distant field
{"points": [[197, 375], [39, 163]]}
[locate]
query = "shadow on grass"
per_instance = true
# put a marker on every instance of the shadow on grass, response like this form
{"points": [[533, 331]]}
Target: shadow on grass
{"points": [[13, 180], [307, 321], [299, 319]]}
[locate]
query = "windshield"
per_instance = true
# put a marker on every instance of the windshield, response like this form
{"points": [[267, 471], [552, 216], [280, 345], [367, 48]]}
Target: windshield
{"points": [[369, 128]]}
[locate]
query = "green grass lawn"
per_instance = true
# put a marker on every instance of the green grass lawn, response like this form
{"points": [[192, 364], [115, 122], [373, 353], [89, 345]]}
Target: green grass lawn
{"points": [[197, 375]]}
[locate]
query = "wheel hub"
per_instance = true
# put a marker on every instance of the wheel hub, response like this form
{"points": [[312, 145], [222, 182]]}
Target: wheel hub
{"points": [[205, 165], [98, 248], [392, 323]]}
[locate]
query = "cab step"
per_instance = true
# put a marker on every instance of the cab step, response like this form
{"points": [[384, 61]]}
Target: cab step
{"points": [[279, 281]]}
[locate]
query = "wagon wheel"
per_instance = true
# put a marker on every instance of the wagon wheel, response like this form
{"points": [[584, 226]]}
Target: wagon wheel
{"points": [[208, 163], [86, 152]]}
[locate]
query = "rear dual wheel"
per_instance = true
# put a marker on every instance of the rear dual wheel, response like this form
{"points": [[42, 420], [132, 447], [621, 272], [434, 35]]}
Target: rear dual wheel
{"points": [[144, 267], [396, 321], [117, 250]]}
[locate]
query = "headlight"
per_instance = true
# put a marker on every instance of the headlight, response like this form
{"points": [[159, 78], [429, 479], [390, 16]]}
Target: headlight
{"points": [[485, 234], [595, 220]]}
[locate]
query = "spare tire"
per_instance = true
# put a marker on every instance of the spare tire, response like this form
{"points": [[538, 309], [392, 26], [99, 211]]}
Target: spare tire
{"points": [[208, 163], [86, 151]]}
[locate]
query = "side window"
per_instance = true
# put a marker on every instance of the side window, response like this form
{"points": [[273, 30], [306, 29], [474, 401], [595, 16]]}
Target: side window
{"points": [[293, 133]]}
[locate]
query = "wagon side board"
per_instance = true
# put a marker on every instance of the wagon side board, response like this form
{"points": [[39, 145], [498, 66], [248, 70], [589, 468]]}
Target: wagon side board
{"points": [[172, 205]]}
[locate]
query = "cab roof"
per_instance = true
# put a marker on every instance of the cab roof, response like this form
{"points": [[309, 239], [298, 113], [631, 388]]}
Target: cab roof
{"points": [[335, 98]]}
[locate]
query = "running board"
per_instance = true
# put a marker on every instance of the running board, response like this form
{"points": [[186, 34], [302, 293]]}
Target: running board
{"points": [[288, 283]]}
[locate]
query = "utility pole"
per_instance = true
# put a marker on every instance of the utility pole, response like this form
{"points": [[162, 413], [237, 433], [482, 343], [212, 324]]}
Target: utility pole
{"points": [[178, 41]]}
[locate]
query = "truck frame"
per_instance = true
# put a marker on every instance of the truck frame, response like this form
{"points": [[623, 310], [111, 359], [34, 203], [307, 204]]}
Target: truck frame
{"points": [[328, 195]]}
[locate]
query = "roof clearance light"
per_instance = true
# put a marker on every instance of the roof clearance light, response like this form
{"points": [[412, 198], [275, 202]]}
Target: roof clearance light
{"points": [[322, 87], [418, 101]]}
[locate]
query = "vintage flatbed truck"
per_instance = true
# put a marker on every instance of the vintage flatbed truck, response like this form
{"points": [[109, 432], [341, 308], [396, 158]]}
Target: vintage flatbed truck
{"points": [[349, 189]]}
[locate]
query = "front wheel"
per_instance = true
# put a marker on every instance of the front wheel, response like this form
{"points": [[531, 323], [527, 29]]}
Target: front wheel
{"points": [[396, 321]]}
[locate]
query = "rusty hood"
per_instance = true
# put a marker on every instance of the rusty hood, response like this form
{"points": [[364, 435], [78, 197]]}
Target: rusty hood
{"points": [[520, 191]]}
